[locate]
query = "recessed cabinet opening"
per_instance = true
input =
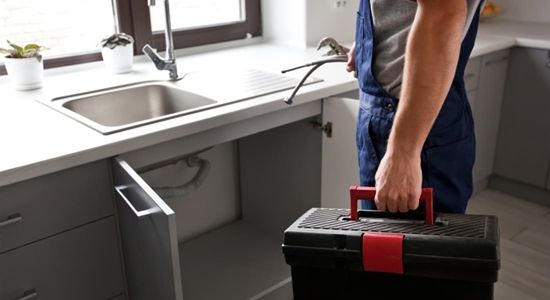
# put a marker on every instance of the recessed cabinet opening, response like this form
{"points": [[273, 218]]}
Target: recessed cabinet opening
{"points": [[209, 225]]}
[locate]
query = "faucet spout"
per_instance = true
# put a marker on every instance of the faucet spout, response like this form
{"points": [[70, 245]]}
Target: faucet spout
{"points": [[169, 62]]}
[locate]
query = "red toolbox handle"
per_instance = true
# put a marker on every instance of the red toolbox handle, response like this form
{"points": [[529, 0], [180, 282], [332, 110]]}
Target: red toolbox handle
{"points": [[368, 193]]}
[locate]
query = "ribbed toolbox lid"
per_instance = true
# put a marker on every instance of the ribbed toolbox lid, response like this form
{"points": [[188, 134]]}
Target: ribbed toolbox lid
{"points": [[458, 246], [449, 225]]}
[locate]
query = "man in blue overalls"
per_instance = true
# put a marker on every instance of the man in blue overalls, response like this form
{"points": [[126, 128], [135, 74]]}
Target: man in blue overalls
{"points": [[415, 126]]}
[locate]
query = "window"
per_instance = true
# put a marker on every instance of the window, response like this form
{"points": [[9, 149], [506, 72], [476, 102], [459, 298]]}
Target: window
{"points": [[71, 29], [188, 14], [64, 26], [196, 22]]}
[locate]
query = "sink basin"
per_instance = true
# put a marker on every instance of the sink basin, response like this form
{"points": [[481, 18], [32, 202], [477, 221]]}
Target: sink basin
{"points": [[113, 110], [120, 108]]}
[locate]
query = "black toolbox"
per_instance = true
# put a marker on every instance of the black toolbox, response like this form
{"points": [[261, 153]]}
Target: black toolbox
{"points": [[343, 254]]}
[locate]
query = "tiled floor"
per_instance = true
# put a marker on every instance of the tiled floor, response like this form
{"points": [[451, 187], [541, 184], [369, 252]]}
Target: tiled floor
{"points": [[524, 245]]}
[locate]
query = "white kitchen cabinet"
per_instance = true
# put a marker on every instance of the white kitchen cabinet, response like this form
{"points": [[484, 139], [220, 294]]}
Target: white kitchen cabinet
{"points": [[472, 98], [35, 209], [471, 81], [82, 263], [236, 261], [58, 236], [488, 104], [523, 151], [340, 168], [148, 237], [241, 259]]}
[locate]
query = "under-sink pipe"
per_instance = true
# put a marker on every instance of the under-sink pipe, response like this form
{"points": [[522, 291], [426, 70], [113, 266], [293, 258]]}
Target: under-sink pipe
{"points": [[315, 65], [337, 53], [186, 188]]}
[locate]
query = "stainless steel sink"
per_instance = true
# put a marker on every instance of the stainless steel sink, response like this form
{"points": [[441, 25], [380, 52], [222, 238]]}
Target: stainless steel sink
{"points": [[121, 108], [124, 107]]}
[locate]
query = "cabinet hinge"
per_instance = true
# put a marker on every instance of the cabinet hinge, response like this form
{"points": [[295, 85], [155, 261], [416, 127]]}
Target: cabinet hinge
{"points": [[327, 128]]}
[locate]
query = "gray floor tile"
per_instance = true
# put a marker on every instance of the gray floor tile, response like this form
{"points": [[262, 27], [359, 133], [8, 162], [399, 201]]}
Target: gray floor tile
{"points": [[535, 238]]}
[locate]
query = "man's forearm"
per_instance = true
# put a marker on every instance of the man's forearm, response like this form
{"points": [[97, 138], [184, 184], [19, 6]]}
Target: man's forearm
{"points": [[432, 54]]}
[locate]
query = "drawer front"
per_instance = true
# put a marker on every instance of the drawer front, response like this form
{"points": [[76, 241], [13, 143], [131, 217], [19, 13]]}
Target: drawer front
{"points": [[43, 206], [471, 74], [83, 263]]}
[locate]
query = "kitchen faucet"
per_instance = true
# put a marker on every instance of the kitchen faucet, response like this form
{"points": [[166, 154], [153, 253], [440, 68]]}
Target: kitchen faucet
{"points": [[169, 62]]}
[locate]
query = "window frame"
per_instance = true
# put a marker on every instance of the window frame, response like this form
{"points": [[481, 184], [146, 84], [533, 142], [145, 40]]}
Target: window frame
{"points": [[197, 36], [129, 11]]}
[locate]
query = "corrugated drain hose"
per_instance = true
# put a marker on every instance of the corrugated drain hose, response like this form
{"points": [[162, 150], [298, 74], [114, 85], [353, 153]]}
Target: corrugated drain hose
{"points": [[192, 185]]}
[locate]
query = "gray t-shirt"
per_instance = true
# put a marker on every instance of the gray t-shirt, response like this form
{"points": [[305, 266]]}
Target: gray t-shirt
{"points": [[392, 21]]}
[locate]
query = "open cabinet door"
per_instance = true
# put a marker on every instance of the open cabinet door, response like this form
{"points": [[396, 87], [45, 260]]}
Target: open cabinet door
{"points": [[148, 236], [340, 166]]}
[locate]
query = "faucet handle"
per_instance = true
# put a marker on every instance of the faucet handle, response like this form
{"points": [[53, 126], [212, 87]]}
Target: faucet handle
{"points": [[152, 54]]}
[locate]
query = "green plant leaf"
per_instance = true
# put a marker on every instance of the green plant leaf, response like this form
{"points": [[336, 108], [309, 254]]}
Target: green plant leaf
{"points": [[117, 39], [19, 49], [30, 50], [32, 47]]}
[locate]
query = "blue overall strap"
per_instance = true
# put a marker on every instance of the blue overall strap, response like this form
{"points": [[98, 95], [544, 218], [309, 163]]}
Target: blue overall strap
{"points": [[364, 47]]}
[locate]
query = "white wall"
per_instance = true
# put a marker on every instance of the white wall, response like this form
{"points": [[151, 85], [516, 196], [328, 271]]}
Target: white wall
{"points": [[284, 21], [305, 22], [526, 10], [324, 20]]}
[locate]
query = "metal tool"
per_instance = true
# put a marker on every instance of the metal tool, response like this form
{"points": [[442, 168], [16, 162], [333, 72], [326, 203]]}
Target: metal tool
{"points": [[335, 47], [337, 53]]}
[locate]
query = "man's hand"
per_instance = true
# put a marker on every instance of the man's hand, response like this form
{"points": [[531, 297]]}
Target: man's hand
{"points": [[398, 182], [350, 67]]}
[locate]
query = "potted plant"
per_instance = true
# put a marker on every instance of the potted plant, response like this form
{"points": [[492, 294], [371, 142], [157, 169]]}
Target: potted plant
{"points": [[24, 65], [118, 52]]}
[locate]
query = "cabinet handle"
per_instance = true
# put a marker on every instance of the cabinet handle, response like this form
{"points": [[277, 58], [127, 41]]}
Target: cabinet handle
{"points": [[30, 294], [548, 62], [139, 213], [12, 219], [496, 61]]}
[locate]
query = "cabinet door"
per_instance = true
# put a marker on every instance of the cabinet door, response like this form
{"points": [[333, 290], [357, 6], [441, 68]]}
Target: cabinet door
{"points": [[471, 74], [148, 236], [524, 140], [340, 168], [82, 263], [488, 106], [44, 206], [472, 98]]}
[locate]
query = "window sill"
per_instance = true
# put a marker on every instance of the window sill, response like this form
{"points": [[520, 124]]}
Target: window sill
{"points": [[95, 64]]}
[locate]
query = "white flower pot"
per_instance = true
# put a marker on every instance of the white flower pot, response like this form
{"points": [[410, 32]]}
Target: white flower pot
{"points": [[25, 73], [120, 59]]}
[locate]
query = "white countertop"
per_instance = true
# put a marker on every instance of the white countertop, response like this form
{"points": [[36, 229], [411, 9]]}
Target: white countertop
{"points": [[36, 140], [531, 35]]}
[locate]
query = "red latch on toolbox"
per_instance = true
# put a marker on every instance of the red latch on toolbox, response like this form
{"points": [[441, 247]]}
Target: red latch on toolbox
{"points": [[383, 253]]}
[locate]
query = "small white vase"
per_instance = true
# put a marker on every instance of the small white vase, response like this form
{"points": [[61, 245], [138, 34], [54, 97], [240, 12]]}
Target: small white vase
{"points": [[25, 73], [119, 60]]}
